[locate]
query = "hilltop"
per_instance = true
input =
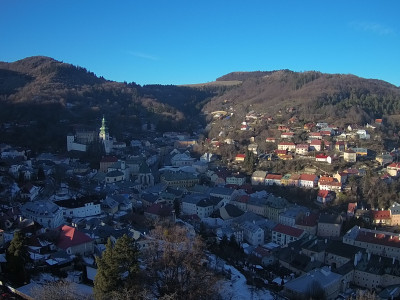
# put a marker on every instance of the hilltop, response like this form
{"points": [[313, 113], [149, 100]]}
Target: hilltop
{"points": [[43, 91]]}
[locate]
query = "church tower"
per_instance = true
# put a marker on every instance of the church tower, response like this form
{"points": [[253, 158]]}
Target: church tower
{"points": [[105, 137]]}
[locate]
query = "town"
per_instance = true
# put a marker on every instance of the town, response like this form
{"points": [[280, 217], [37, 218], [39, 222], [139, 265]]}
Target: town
{"points": [[291, 230]]}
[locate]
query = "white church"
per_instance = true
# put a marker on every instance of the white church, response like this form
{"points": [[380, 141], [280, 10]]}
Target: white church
{"points": [[83, 137]]}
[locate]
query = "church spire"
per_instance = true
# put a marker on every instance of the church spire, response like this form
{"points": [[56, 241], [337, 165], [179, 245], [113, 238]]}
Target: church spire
{"points": [[103, 130]]}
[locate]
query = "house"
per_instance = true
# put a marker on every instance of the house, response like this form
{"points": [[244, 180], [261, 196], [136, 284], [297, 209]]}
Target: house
{"points": [[106, 162], [253, 148], [236, 179], [329, 225], [315, 136], [395, 213], [179, 179], [281, 152], [80, 207], [350, 155], [29, 191], [182, 159], [252, 233], [360, 151], [284, 234], [381, 217], [393, 169], [340, 146], [160, 212], [115, 176], [240, 157], [308, 180], [325, 196], [323, 158], [294, 180], [341, 177], [270, 140], [308, 223], [46, 213], [351, 209], [273, 179], [258, 177], [74, 241], [302, 149], [288, 146], [316, 145], [226, 194], [109, 205], [384, 158], [329, 282], [292, 214], [287, 135]]}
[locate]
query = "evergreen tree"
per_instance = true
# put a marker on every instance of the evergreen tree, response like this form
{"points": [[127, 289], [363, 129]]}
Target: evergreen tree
{"points": [[116, 268], [17, 257]]}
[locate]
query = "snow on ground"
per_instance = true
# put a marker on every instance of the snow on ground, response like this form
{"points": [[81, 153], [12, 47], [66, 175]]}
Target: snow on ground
{"points": [[237, 289]]}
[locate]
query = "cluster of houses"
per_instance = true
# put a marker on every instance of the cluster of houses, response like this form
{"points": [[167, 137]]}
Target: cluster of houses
{"points": [[72, 210]]}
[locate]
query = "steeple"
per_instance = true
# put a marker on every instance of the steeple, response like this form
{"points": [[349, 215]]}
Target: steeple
{"points": [[103, 134]]}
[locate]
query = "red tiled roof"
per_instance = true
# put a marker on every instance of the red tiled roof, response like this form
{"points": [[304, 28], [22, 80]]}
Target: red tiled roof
{"points": [[308, 177], [380, 214], [316, 142], [323, 193], [274, 176], [394, 165], [70, 236], [159, 209], [302, 146], [288, 230], [326, 179], [351, 207], [315, 134], [378, 238], [287, 144], [321, 156], [241, 155]]}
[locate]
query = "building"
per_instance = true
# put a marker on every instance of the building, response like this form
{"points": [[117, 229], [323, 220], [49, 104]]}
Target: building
{"points": [[73, 241], [258, 177], [46, 213], [284, 234], [377, 242], [79, 208], [329, 283], [273, 179], [393, 169], [179, 179], [325, 196], [252, 233], [308, 180], [350, 156], [329, 225], [288, 146], [302, 149]]}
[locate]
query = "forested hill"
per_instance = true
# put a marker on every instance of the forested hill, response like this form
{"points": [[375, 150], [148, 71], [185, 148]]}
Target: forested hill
{"points": [[52, 95], [46, 93], [313, 95]]}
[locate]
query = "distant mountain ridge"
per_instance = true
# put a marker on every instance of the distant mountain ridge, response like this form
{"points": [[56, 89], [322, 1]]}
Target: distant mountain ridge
{"points": [[42, 88]]}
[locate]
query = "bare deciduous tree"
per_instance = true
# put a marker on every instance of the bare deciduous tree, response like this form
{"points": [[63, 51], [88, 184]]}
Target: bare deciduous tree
{"points": [[176, 266]]}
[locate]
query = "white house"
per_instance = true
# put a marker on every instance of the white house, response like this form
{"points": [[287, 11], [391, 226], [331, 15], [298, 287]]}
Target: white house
{"points": [[46, 213], [284, 234], [253, 233]]}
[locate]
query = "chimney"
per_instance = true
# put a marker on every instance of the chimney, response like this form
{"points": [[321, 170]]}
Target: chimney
{"points": [[355, 259], [394, 259], [369, 255]]}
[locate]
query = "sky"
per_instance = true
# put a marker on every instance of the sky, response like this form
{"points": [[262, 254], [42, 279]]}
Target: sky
{"points": [[184, 42]]}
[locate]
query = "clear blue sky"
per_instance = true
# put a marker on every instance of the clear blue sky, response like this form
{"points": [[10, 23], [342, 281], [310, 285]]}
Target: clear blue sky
{"points": [[180, 42]]}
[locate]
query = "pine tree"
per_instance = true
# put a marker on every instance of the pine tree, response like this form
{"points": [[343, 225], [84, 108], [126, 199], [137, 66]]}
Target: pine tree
{"points": [[17, 257], [116, 268]]}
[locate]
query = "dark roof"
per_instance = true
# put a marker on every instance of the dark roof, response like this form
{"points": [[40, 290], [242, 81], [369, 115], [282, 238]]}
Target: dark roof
{"points": [[288, 230], [341, 249], [330, 219]]}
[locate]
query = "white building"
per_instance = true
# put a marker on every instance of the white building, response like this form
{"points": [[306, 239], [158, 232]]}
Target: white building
{"points": [[46, 213], [253, 233], [79, 208]]}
